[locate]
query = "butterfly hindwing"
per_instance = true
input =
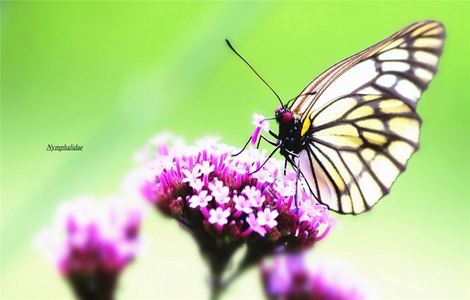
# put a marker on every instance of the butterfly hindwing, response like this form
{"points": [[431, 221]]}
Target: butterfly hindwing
{"points": [[365, 148]]}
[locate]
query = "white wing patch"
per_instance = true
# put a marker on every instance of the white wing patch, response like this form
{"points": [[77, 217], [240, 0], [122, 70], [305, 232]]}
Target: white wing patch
{"points": [[317, 180], [358, 75]]}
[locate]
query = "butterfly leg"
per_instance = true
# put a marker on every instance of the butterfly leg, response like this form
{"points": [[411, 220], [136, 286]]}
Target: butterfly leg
{"points": [[259, 141], [267, 159], [299, 174], [296, 166], [273, 134], [285, 167], [243, 149], [297, 182], [264, 138]]}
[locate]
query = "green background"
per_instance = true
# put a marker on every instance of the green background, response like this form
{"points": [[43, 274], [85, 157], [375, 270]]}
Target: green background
{"points": [[108, 75]]}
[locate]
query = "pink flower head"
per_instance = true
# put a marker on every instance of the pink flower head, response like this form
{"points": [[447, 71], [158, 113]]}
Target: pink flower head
{"points": [[92, 241], [290, 277], [216, 198]]}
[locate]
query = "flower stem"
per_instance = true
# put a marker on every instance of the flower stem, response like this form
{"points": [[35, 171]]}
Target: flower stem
{"points": [[216, 286], [230, 279], [218, 260], [93, 286]]}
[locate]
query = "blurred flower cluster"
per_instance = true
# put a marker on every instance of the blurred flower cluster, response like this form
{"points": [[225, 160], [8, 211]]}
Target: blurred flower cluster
{"points": [[91, 243], [289, 277]]}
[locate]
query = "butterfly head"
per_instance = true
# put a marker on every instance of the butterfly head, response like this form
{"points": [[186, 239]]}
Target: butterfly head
{"points": [[283, 115]]}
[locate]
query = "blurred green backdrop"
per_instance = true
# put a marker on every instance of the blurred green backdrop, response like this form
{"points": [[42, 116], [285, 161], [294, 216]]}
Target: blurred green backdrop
{"points": [[108, 75]]}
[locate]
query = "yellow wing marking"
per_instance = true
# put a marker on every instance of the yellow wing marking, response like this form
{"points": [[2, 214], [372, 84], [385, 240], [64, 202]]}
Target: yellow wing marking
{"points": [[305, 126]]}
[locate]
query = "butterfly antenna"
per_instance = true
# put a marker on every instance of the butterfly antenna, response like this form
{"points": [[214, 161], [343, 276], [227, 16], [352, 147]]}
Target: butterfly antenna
{"points": [[257, 74]]}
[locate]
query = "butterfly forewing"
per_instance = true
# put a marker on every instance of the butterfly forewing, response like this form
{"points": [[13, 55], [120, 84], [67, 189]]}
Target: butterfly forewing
{"points": [[418, 46], [362, 125]]}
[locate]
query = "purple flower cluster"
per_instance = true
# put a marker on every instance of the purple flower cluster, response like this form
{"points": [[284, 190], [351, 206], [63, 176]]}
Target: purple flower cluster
{"points": [[227, 200], [92, 243], [203, 186], [288, 277]]}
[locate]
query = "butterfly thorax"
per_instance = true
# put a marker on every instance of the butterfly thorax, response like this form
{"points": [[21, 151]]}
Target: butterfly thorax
{"points": [[289, 137]]}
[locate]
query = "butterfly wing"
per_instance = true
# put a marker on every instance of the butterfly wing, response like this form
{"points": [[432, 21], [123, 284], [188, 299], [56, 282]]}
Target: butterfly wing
{"points": [[360, 118]]}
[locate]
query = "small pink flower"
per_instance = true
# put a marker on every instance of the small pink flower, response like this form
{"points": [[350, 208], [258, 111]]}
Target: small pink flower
{"points": [[206, 168], [219, 216], [197, 184], [241, 169], [258, 201], [242, 204], [267, 217], [311, 210], [287, 189], [220, 192], [191, 176], [264, 176], [200, 200], [251, 220], [254, 196]]}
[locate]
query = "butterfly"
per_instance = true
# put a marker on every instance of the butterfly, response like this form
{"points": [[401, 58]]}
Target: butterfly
{"points": [[352, 130]]}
